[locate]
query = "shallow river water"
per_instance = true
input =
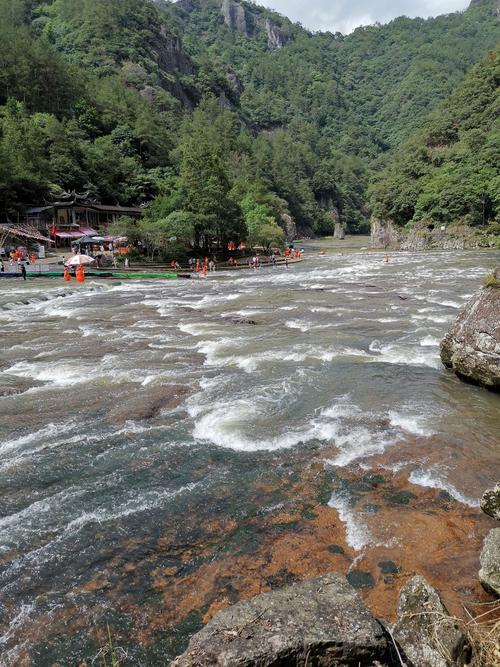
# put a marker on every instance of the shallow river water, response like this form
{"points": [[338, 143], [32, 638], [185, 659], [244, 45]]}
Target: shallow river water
{"points": [[167, 448]]}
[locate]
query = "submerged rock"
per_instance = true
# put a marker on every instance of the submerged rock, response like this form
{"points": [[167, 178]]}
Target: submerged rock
{"points": [[489, 574], [472, 345], [319, 622], [490, 502], [148, 403], [424, 632]]}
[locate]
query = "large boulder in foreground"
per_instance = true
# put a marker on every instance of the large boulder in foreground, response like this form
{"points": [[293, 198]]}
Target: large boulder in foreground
{"points": [[490, 502], [489, 574], [319, 622], [472, 345], [424, 632]]}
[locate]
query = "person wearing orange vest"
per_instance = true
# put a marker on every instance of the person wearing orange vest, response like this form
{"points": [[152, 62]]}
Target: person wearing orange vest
{"points": [[80, 274], [197, 266], [67, 275]]}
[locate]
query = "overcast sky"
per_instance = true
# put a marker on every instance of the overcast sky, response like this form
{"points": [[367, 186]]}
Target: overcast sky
{"points": [[345, 15]]}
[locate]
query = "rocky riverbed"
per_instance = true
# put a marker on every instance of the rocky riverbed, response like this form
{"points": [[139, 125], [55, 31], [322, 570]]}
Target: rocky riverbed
{"points": [[163, 458]]}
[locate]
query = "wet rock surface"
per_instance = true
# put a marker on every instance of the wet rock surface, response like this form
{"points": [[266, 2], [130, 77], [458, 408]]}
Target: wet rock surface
{"points": [[489, 574], [490, 502], [472, 345], [322, 621], [144, 405], [424, 632]]}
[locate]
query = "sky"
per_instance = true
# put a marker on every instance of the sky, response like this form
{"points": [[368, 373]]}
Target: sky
{"points": [[345, 15]]}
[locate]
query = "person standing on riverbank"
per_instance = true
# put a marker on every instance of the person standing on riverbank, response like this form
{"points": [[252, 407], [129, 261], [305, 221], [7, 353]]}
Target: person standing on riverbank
{"points": [[23, 271]]}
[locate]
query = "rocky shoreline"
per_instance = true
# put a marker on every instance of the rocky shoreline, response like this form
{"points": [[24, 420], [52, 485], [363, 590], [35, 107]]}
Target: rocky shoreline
{"points": [[471, 348], [385, 235], [324, 622]]}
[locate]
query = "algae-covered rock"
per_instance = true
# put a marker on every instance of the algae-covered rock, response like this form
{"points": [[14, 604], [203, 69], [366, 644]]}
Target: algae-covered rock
{"points": [[425, 633], [490, 502], [472, 345], [489, 574], [319, 622]]}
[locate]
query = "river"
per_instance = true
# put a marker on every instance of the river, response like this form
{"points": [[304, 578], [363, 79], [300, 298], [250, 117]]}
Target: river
{"points": [[168, 448]]}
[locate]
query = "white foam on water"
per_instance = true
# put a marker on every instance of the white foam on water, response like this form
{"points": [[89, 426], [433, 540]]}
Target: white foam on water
{"points": [[407, 356], [48, 432], [299, 324], [433, 480], [414, 424], [358, 536], [429, 341]]}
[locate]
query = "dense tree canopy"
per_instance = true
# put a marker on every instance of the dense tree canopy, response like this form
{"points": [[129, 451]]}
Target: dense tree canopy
{"points": [[233, 130], [450, 171]]}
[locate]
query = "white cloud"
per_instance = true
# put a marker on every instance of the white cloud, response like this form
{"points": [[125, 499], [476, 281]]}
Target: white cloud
{"points": [[345, 15]]}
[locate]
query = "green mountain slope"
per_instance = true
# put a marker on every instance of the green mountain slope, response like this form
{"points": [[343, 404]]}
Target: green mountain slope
{"points": [[99, 95], [450, 171]]}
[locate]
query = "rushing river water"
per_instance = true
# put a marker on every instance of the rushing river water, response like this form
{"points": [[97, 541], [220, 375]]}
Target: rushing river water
{"points": [[170, 447]]}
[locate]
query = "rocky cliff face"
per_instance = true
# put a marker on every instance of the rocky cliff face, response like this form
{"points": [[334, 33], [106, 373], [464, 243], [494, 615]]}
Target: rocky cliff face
{"points": [[234, 16], [385, 235], [472, 346], [276, 36]]}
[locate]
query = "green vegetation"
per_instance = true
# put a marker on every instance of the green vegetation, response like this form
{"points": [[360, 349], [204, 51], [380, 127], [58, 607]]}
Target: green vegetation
{"points": [[449, 172], [239, 131]]}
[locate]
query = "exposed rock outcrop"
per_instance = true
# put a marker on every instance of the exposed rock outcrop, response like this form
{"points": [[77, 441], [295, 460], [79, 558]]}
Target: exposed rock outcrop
{"points": [[339, 232], [424, 632], [234, 16], [319, 622], [489, 574], [276, 36], [385, 235], [472, 345], [490, 502], [288, 225]]}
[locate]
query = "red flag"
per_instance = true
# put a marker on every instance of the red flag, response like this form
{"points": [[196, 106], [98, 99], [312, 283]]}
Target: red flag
{"points": [[53, 232]]}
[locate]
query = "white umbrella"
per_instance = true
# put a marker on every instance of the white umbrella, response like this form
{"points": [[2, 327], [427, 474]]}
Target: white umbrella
{"points": [[76, 260]]}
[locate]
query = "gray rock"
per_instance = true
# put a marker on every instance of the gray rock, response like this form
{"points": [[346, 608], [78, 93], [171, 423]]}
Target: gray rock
{"points": [[385, 235], [490, 502], [339, 232], [472, 345], [234, 16], [320, 622], [489, 574], [277, 38], [424, 632]]}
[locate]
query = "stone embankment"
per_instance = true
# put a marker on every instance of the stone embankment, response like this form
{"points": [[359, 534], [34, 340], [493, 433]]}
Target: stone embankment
{"points": [[385, 235], [471, 348], [324, 622]]}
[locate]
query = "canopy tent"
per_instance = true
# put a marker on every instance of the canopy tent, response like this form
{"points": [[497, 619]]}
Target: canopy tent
{"points": [[68, 235], [24, 231]]}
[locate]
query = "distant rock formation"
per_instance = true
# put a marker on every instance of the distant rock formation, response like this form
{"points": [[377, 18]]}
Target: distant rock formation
{"points": [[472, 345], [385, 235], [276, 36], [424, 632], [489, 574], [234, 16], [319, 622]]}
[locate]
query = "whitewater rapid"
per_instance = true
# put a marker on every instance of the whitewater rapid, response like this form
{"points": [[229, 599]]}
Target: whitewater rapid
{"points": [[337, 355]]}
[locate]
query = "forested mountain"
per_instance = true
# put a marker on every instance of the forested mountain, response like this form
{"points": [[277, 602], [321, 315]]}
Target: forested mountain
{"points": [[231, 118], [450, 170]]}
